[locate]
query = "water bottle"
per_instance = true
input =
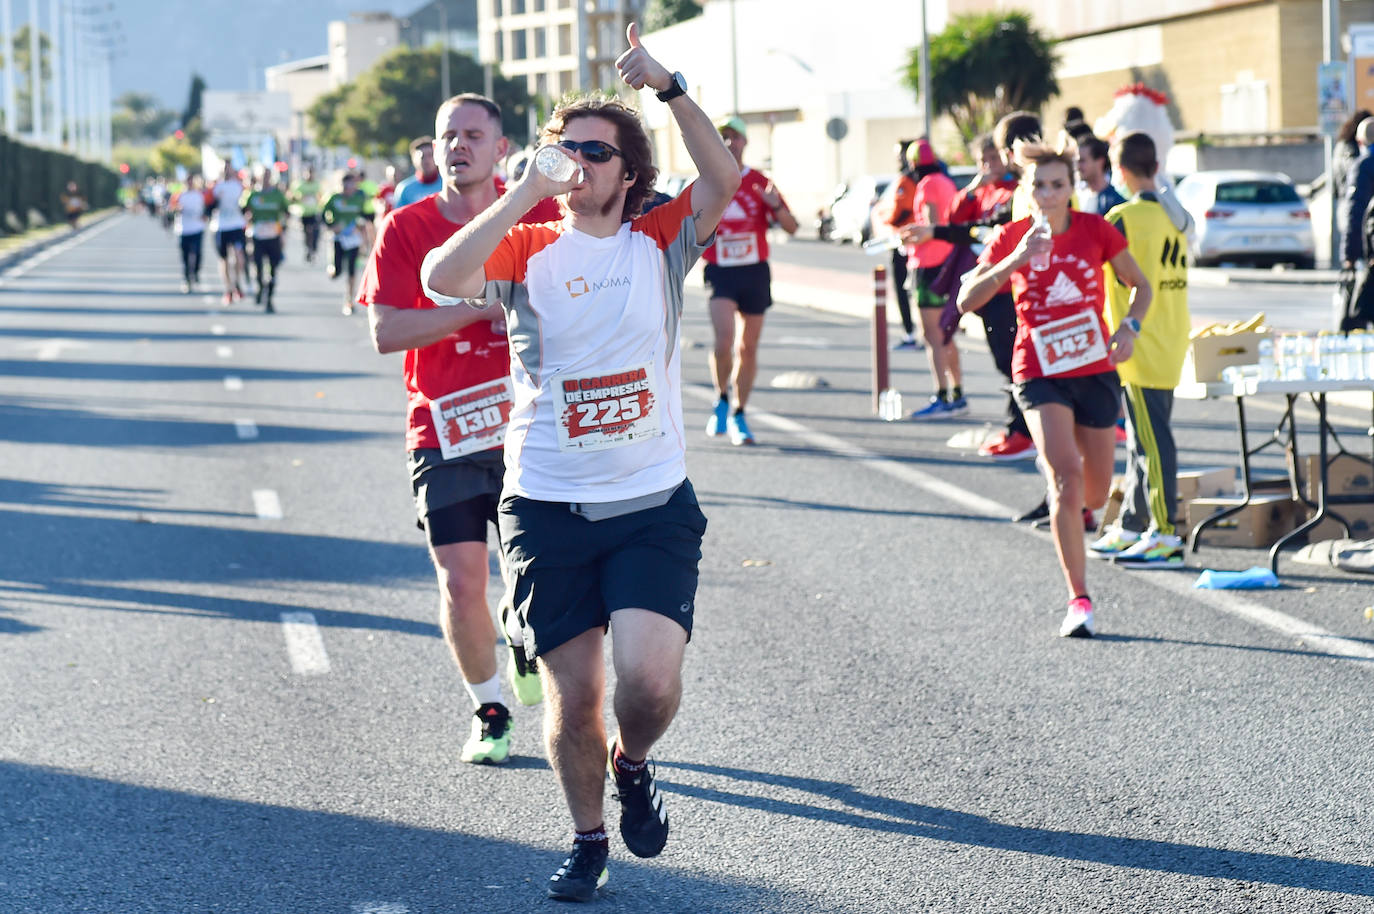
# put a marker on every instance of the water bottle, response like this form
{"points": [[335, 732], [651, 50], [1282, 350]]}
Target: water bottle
{"points": [[1363, 352], [882, 245], [1267, 370], [1041, 227], [556, 165], [1326, 355], [890, 405]]}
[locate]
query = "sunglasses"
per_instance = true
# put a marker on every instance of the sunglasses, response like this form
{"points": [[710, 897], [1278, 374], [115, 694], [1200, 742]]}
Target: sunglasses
{"points": [[592, 150]]}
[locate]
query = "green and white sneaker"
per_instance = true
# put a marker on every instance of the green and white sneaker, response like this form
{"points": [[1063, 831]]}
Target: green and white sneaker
{"points": [[489, 743], [1112, 542], [1154, 550]]}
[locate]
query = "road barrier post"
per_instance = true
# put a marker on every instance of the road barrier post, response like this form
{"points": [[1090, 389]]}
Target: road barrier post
{"points": [[880, 382]]}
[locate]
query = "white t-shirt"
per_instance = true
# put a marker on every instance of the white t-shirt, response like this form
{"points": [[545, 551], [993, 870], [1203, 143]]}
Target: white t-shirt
{"points": [[228, 216], [190, 212], [594, 329]]}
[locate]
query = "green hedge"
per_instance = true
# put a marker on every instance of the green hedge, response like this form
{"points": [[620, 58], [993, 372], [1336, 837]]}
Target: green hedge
{"points": [[32, 181]]}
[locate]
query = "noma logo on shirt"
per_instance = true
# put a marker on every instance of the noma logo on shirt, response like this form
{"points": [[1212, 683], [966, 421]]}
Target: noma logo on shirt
{"points": [[580, 286]]}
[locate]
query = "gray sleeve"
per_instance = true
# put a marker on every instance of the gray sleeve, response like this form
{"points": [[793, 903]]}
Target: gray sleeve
{"points": [[1177, 214]]}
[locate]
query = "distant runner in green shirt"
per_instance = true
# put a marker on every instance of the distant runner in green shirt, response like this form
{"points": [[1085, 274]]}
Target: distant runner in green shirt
{"points": [[343, 213], [305, 206], [266, 210]]}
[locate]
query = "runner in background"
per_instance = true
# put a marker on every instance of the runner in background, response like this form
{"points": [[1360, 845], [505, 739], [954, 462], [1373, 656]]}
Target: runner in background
{"points": [[930, 201], [229, 224], [384, 200], [899, 214], [740, 281], [73, 204], [305, 206], [189, 225], [426, 179], [344, 214], [457, 379], [266, 209], [1064, 360]]}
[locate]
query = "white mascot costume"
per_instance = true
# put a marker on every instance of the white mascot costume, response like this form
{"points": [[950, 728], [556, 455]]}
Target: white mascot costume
{"points": [[1139, 108]]}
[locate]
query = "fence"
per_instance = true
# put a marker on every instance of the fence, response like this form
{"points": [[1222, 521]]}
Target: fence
{"points": [[32, 181]]}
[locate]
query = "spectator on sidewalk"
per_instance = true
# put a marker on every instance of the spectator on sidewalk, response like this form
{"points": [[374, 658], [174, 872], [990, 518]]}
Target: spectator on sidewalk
{"points": [[897, 216], [1095, 191]]}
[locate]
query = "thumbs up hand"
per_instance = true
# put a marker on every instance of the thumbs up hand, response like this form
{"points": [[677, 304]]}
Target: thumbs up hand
{"points": [[637, 68]]}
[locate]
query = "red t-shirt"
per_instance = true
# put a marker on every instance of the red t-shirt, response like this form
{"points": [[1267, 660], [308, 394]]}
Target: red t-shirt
{"points": [[973, 205], [474, 355], [1059, 310], [742, 234], [935, 190]]}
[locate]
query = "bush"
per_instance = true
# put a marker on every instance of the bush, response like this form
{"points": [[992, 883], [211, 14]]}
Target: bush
{"points": [[32, 181]]}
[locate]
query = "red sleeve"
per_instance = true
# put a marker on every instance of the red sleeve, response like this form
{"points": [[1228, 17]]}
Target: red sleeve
{"points": [[964, 208], [392, 275], [998, 246]]}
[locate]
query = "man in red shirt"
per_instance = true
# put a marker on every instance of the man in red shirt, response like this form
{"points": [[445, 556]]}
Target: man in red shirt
{"points": [[740, 282], [457, 376]]}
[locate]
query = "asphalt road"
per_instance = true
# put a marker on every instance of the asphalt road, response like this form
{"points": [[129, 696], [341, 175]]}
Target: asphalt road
{"points": [[878, 715]]}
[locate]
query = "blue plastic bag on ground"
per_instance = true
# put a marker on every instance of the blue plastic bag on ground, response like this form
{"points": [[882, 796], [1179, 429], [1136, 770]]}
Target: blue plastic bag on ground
{"points": [[1249, 579]]}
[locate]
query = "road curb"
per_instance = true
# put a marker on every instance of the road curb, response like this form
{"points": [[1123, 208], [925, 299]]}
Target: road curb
{"points": [[24, 252]]}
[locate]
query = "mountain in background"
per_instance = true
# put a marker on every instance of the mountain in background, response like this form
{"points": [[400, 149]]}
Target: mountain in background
{"points": [[229, 44]]}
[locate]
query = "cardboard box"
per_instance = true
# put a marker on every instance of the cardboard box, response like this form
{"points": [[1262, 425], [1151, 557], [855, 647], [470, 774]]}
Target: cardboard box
{"points": [[1359, 517], [1206, 483], [1257, 526], [1345, 475], [1208, 355]]}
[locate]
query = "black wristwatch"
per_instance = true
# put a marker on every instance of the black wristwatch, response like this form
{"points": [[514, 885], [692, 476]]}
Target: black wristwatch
{"points": [[679, 87]]}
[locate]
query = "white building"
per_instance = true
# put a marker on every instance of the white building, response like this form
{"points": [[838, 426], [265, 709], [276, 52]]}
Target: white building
{"points": [[304, 81], [558, 46], [358, 42]]}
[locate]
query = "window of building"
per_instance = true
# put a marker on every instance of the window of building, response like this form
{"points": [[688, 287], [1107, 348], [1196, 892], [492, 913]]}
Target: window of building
{"points": [[565, 40], [518, 48], [541, 49], [541, 84], [538, 6], [565, 4], [517, 7], [496, 8]]}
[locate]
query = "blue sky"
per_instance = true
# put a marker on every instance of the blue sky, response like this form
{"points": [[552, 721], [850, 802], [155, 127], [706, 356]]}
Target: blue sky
{"points": [[229, 43]]}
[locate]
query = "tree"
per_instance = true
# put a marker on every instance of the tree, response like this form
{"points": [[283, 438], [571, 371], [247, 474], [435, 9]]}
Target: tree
{"points": [[190, 115], [660, 14], [137, 118], [985, 65], [170, 153], [394, 101]]}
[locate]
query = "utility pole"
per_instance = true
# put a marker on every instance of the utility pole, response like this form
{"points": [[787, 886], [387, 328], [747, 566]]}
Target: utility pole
{"points": [[925, 71], [55, 17], [1330, 42], [7, 31], [443, 54], [734, 64], [35, 74]]}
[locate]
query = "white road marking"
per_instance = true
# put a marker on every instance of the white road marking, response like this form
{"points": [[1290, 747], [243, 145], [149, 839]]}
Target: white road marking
{"points": [[304, 646], [51, 350], [1307, 633], [218, 329], [233, 382], [224, 352], [267, 504], [59, 248], [384, 907], [246, 429]]}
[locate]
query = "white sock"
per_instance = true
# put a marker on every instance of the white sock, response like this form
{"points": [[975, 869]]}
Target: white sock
{"points": [[485, 693]]}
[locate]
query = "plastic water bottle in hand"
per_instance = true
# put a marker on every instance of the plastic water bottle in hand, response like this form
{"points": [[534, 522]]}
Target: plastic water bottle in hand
{"points": [[1040, 228], [556, 165], [882, 245]]}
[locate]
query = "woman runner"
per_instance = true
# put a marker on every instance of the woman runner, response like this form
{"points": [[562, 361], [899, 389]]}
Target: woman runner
{"points": [[1063, 361]]}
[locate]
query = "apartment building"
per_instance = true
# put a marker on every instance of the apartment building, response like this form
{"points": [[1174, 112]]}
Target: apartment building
{"points": [[558, 46]]}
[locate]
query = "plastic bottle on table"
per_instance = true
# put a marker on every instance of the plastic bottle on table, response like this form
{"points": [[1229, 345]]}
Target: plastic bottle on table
{"points": [[1267, 367]]}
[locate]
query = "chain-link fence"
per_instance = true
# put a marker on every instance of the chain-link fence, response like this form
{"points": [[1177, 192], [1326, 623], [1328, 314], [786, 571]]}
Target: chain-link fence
{"points": [[32, 182]]}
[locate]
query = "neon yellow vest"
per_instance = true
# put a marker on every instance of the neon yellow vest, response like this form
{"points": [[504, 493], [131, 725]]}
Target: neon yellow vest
{"points": [[1162, 252]]}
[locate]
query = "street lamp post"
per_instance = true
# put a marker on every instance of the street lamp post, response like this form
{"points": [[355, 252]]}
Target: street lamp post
{"points": [[55, 39], [7, 30], [35, 74]]}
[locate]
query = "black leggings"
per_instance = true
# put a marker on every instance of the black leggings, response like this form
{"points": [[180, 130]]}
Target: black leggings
{"points": [[268, 249], [903, 296], [999, 323], [345, 258], [190, 256]]}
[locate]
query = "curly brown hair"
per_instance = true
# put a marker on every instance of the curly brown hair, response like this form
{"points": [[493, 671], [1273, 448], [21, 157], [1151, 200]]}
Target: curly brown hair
{"points": [[631, 140]]}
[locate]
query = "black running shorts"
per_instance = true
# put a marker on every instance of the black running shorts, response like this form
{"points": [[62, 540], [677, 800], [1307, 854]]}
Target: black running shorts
{"points": [[571, 573], [749, 287], [229, 238], [455, 499], [1095, 399]]}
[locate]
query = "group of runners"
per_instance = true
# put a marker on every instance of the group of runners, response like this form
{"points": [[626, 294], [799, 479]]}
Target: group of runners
{"points": [[249, 223]]}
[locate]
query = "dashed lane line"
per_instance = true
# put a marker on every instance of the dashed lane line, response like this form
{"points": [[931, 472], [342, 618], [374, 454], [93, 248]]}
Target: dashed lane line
{"points": [[233, 382], [1306, 633], [267, 504], [304, 646], [224, 352], [246, 429]]}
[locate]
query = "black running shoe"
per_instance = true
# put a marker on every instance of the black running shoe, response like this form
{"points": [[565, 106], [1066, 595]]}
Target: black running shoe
{"points": [[581, 874], [1039, 512], [643, 820]]}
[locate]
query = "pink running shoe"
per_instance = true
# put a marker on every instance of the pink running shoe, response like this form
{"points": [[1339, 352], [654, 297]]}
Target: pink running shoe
{"points": [[1078, 621]]}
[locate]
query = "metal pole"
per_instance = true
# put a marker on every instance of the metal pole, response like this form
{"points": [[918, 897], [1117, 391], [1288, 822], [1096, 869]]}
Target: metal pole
{"points": [[880, 374], [445, 94], [925, 71], [7, 30], [55, 16], [1329, 45], [69, 77], [35, 74], [734, 64]]}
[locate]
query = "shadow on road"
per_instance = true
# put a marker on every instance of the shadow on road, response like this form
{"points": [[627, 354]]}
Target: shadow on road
{"points": [[75, 844], [118, 371], [901, 817]]}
